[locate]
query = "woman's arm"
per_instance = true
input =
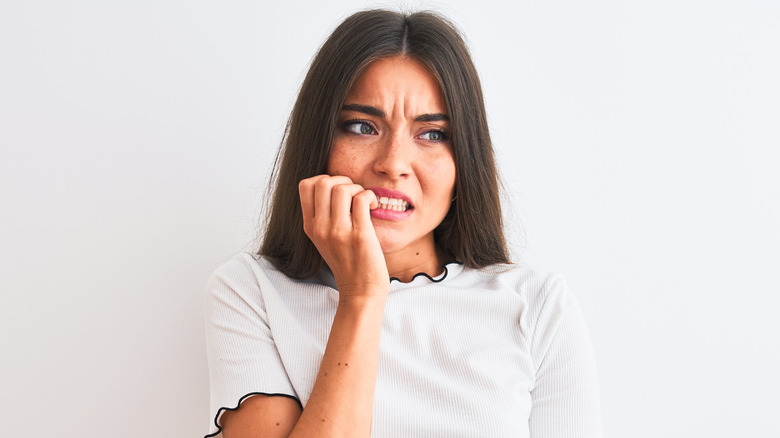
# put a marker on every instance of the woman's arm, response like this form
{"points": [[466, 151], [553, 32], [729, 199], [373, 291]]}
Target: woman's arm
{"points": [[341, 401], [336, 218], [565, 397]]}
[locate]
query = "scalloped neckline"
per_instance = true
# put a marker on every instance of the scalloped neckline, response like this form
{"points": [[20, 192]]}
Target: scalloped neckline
{"points": [[438, 279]]}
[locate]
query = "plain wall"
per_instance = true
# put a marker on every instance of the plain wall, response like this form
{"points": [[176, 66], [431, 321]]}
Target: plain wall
{"points": [[638, 142]]}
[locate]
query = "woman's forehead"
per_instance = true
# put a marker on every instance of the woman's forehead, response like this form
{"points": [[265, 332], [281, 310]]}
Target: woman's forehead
{"points": [[398, 84]]}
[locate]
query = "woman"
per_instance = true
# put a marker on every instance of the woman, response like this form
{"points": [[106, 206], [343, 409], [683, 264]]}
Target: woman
{"points": [[382, 302]]}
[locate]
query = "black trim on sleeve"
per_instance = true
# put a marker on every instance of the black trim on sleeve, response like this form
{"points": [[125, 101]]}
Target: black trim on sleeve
{"points": [[241, 400]]}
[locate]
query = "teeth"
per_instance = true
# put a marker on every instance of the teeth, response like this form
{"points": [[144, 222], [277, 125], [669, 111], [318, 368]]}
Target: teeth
{"points": [[392, 204]]}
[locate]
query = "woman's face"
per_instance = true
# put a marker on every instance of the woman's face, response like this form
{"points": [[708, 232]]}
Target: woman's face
{"points": [[392, 138]]}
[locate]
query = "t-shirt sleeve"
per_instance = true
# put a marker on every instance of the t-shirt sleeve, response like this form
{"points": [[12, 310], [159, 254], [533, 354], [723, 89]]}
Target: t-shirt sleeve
{"points": [[242, 356], [565, 396]]}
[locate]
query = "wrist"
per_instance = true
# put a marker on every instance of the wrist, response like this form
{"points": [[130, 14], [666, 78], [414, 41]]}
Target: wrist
{"points": [[375, 299]]}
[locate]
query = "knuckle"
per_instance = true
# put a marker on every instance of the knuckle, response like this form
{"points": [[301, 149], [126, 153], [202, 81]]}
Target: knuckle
{"points": [[322, 184], [363, 198], [339, 236], [341, 189], [305, 185], [320, 230]]}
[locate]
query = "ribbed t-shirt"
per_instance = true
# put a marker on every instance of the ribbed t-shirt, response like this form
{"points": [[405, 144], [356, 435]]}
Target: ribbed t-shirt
{"points": [[496, 352]]}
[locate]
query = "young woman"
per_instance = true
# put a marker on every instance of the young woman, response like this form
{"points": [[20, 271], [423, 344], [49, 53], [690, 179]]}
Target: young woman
{"points": [[382, 302]]}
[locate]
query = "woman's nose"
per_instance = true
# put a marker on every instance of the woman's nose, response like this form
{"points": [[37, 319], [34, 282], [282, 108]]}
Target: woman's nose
{"points": [[394, 157]]}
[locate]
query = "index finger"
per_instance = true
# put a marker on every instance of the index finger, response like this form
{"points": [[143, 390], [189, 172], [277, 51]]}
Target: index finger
{"points": [[315, 193], [306, 194]]}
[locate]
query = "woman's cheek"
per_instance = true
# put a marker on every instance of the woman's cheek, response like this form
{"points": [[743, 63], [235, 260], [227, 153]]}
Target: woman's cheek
{"points": [[344, 159]]}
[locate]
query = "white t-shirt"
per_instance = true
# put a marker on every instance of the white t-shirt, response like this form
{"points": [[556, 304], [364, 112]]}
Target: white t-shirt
{"points": [[497, 352]]}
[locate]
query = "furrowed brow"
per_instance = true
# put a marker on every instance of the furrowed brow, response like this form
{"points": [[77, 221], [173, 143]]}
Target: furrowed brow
{"points": [[432, 118], [365, 109]]}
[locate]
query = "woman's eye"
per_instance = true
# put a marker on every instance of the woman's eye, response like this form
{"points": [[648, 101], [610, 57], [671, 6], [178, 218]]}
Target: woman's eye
{"points": [[434, 136], [360, 128]]}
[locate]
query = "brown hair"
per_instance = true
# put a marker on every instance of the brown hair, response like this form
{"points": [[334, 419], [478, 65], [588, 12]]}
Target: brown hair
{"points": [[472, 231]]}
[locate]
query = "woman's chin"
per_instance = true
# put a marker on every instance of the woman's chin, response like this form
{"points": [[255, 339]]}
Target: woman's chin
{"points": [[390, 240], [390, 246], [395, 241]]}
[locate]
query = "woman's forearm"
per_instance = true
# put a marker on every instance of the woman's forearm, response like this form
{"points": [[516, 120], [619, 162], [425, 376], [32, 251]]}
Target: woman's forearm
{"points": [[341, 402]]}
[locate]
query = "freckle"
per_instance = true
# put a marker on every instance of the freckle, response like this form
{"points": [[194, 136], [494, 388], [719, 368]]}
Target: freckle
{"points": [[417, 253], [339, 364], [346, 364], [323, 420], [326, 373], [277, 424]]}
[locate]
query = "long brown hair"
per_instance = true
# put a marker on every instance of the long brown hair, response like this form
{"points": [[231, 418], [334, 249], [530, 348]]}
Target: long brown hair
{"points": [[472, 231]]}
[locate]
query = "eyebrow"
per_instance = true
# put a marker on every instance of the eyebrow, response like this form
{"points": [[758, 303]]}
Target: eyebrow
{"points": [[376, 112]]}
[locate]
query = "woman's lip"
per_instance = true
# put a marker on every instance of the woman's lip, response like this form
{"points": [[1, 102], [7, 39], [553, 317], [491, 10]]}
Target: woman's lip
{"points": [[390, 215], [389, 193]]}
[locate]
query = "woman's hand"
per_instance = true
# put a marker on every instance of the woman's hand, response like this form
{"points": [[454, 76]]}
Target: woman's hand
{"points": [[336, 217]]}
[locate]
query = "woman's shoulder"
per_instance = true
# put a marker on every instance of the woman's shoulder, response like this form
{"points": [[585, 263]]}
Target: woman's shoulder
{"points": [[543, 299], [240, 268], [252, 273], [522, 275], [530, 282], [233, 278], [236, 264]]}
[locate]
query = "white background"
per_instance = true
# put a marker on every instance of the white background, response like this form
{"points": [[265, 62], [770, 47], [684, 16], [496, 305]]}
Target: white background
{"points": [[638, 141]]}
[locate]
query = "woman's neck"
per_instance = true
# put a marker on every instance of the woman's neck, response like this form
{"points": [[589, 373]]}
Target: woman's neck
{"points": [[407, 263]]}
